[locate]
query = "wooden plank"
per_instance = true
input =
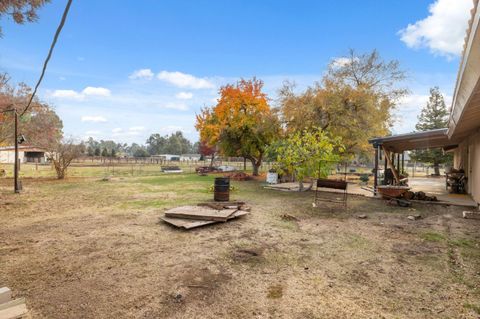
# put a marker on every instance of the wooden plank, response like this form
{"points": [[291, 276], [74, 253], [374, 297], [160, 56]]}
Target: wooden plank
{"points": [[5, 295], [200, 213], [239, 213], [389, 161], [187, 223], [13, 309], [190, 223], [12, 303], [14, 312], [221, 205]]}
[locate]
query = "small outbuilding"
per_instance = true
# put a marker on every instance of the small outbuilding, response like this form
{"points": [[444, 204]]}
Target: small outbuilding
{"points": [[26, 154], [168, 157], [190, 157]]}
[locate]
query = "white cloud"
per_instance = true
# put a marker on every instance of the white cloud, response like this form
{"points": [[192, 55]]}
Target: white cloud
{"points": [[342, 61], [416, 102], [96, 91], [93, 118], [136, 129], [409, 109], [62, 78], [88, 91], [67, 94], [117, 130], [146, 74], [80, 58], [443, 31], [184, 80], [184, 95]]}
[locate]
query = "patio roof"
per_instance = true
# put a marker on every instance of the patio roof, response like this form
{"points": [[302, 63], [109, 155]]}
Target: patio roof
{"points": [[414, 141]]}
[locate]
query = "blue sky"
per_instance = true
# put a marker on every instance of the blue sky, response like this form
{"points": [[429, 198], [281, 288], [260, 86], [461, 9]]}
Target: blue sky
{"points": [[124, 69]]}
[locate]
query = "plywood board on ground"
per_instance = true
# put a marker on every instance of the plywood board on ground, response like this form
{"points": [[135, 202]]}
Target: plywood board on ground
{"points": [[190, 223], [13, 309], [199, 213], [5, 295]]}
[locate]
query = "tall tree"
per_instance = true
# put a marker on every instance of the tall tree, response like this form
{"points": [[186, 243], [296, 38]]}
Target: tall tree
{"points": [[241, 124], [354, 100], [156, 144], [434, 115], [21, 11], [105, 153], [174, 143], [41, 125]]}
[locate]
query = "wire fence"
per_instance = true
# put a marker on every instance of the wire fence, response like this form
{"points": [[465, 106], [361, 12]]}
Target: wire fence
{"points": [[151, 166], [124, 167]]}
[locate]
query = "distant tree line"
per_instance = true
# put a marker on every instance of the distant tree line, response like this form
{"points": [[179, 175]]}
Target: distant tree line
{"points": [[174, 143], [156, 144]]}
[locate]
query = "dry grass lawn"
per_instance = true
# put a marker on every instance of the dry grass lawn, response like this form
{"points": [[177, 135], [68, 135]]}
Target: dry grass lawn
{"points": [[86, 248]]}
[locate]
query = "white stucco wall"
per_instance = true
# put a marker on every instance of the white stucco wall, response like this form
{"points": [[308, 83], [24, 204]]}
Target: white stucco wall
{"points": [[8, 157], [467, 156], [474, 166]]}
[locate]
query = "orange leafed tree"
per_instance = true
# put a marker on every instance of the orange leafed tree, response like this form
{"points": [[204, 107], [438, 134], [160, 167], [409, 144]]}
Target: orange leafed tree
{"points": [[241, 124]]}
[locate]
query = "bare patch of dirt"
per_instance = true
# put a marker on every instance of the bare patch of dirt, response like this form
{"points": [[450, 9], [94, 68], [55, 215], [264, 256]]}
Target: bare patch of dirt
{"points": [[79, 249], [275, 292]]}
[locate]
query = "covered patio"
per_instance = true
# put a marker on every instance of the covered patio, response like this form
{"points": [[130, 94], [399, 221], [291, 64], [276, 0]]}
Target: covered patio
{"points": [[391, 150]]}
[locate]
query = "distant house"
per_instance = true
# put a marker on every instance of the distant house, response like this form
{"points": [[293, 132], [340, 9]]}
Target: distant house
{"points": [[26, 154], [190, 157], [168, 157]]}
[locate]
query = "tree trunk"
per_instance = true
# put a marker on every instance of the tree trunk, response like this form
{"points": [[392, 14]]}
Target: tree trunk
{"points": [[436, 168], [255, 166], [211, 162], [301, 187], [60, 173]]}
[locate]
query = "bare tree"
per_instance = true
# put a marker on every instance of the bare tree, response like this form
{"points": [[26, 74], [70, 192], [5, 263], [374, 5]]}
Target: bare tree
{"points": [[62, 154]]}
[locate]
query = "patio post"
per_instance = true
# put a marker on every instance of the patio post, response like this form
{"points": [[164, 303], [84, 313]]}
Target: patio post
{"points": [[398, 164], [385, 155], [375, 176]]}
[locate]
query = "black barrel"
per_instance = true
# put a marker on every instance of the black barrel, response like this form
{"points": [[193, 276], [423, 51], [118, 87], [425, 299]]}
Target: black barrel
{"points": [[222, 189]]}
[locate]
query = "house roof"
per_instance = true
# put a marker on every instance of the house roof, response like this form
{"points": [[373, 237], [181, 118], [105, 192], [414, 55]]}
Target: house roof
{"points": [[414, 141], [465, 114]]}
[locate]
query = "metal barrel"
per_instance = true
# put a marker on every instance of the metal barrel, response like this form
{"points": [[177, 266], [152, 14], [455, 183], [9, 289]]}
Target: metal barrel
{"points": [[222, 189]]}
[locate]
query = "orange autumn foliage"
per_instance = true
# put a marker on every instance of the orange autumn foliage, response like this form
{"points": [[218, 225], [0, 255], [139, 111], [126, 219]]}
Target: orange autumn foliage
{"points": [[241, 124]]}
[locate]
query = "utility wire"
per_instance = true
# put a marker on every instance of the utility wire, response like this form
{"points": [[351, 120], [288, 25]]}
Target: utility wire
{"points": [[52, 46]]}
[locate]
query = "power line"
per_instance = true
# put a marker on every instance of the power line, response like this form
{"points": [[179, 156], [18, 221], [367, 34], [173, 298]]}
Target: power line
{"points": [[52, 46]]}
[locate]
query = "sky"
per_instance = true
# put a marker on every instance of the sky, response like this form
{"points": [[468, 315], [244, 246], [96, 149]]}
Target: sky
{"points": [[123, 70]]}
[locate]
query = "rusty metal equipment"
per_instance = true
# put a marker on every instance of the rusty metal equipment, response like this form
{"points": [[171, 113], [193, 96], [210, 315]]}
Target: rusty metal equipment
{"points": [[394, 194]]}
